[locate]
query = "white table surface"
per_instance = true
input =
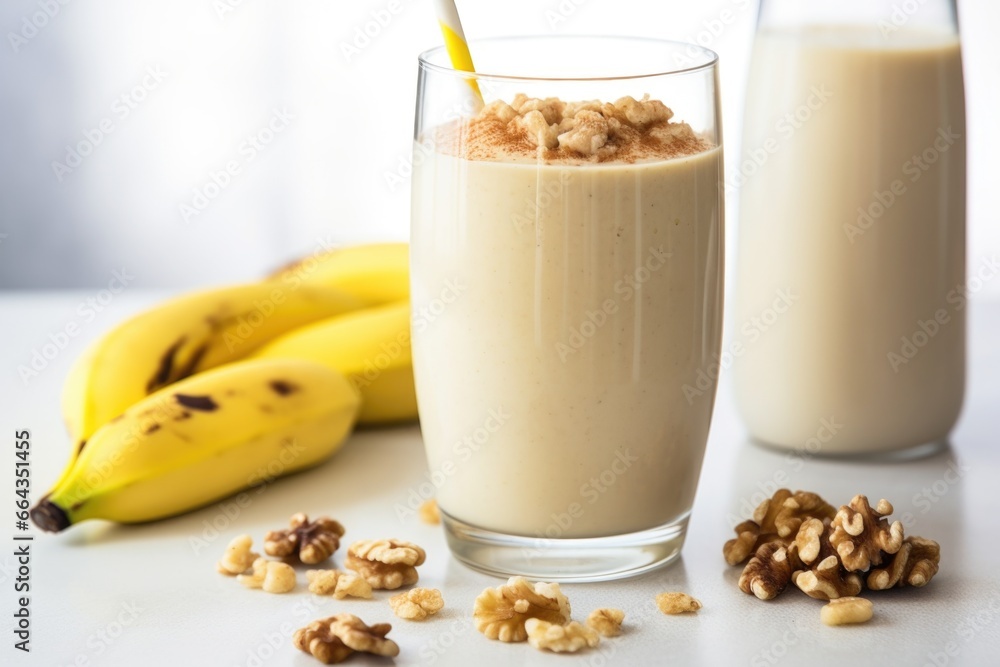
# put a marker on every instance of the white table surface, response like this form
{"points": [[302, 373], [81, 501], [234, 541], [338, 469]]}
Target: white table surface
{"points": [[146, 595]]}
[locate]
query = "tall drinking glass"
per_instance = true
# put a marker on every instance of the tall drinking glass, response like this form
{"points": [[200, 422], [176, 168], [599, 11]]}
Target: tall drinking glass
{"points": [[567, 290], [850, 296]]}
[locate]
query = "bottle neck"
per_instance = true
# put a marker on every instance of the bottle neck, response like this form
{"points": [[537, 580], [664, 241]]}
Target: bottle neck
{"points": [[889, 17]]}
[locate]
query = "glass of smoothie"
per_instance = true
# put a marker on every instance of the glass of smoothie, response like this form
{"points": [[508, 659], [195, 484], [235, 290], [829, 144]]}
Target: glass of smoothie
{"points": [[850, 295], [567, 260]]}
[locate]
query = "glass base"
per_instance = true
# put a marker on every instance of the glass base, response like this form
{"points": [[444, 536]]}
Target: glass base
{"points": [[906, 453], [566, 560]]}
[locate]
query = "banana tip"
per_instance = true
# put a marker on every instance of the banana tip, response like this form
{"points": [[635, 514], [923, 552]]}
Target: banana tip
{"points": [[49, 517]]}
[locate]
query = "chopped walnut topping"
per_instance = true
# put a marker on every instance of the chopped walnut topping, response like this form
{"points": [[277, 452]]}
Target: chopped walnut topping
{"points": [[914, 564], [310, 541], [827, 580], [386, 564], [270, 575], [334, 639], [500, 613], [606, 621], [844, 611], [768, 572], [429, 512], [338, 584], [568, 638], [417, 604], [238, 557], [861, 534], [677, 603]]}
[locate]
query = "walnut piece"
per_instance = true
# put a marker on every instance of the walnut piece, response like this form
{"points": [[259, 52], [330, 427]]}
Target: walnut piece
{"points": [[417, 604], [334, 639], [338, 584], [743, 545], [558, 638], [677, 603], [606, 621], [844, 611], [777, 518], [386, 564], [768, 572], [238, 557], [270, 575], [914, 564], [861, 534], [827, 580], [310, 541], [429, 512], [501, 612]]}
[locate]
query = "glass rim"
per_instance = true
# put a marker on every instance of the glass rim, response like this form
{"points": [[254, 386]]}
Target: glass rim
{"points": [[711, 58]]}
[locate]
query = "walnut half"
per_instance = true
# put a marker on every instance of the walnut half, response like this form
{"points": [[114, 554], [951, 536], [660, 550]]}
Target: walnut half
{"points": [[914, 564], [417, 604], [310, 541], [338, 584], [501, 612], [861, 534], [334, 639], [385, 564], [768, 572]]}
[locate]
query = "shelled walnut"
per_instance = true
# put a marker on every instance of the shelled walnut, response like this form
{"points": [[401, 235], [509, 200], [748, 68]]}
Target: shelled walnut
{"points": [[776, 519], [845, 611], [768, 572], [862, 536], [338, 584], [334, 639], [238, 557], [827, 580], [429, 512], [270, 575], [501, 612], [311, 542], [677, 603], [915, 564], [557, 638], [385, 564], [417, 604]]}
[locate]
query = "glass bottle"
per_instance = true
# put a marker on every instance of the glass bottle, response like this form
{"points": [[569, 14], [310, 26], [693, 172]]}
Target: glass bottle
{"points": [[850, 308]]}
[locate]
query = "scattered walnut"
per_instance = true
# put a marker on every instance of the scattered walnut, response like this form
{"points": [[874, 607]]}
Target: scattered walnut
{"points": [[417, 604], [429, 512], [914, 564], [768, 572], [238, 557], [844, 611], [271, 575], [338, 584], [827, 580], [386, 564], [311, 541], [500, 613], [558, 638], [606, 621], [334, 639], [861, 534], [740, 547], [677, 603]]}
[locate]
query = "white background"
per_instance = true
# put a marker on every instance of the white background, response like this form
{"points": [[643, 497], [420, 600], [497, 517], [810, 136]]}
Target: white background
{"points": [[323, 180]]}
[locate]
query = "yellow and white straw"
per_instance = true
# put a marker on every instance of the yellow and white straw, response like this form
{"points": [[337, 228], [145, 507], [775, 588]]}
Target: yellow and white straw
{"points": [[454, 41]]}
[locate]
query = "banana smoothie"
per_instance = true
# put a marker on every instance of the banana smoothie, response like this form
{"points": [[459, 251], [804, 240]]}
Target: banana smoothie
{"points": [[872, 245], [566, 262]]}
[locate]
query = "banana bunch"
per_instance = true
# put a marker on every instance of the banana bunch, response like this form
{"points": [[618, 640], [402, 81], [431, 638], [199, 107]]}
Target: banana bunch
{"points": [[176, 407]]}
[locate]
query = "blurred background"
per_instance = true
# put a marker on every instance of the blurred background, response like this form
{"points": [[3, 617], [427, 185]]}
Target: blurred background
{"points": [[208, 141]]}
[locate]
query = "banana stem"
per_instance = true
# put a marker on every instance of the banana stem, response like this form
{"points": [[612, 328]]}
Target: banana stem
{"points": [[49, 517]]}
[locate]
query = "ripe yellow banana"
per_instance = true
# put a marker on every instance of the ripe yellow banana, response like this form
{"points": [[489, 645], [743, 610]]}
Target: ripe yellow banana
{"points": [[182, 337], [371, 347], [202, 439], [379, 273]]}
